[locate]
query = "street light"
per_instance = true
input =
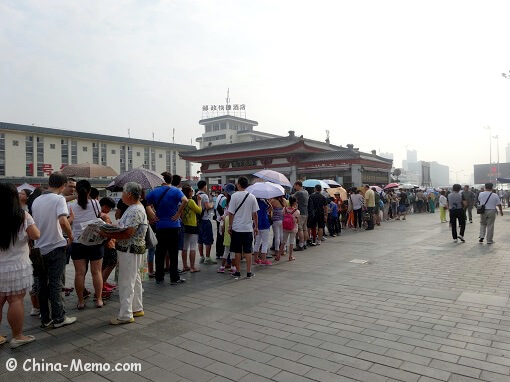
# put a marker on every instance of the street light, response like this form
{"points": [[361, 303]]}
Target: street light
{"points": [[496, 137], [456, 175]]}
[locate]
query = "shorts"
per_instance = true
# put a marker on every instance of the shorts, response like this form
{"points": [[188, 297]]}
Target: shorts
{"points": [[226, 252], [86, 252], [109, 257], [242, 242], [289, 235], [316, 221], [205, 233], [302, 225], [402, 208], [190, 241]]}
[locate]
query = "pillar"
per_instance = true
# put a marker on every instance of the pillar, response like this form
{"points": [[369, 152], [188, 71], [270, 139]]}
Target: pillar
{"points": [[356, 175], [223, 180], [293, 174]]}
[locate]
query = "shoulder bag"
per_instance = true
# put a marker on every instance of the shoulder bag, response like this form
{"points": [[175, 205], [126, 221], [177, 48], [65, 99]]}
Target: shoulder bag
{"points": [[480, 208]]}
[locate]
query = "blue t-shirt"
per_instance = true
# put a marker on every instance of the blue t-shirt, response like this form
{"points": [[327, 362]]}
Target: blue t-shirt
{"points": [[167, 207], [263, 215], [334, 209]]}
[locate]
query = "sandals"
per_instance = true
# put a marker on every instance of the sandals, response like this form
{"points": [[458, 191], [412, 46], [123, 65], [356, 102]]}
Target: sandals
{"points": [[195, 270], [3, 340], [292, 258], [99, 306], [16, 343], [80, 307]]}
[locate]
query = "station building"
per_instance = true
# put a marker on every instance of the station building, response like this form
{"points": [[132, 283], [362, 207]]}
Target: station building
{"points": [[29, 154]]}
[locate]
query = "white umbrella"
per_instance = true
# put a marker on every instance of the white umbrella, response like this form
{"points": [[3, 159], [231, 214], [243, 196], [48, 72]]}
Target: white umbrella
{"points": [[266, 190], [331, 182], [313, 182], [25, 186], [273, 177]]}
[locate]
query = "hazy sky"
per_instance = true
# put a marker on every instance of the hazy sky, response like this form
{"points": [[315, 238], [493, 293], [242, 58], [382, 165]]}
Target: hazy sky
{"points": [[379, 74]]}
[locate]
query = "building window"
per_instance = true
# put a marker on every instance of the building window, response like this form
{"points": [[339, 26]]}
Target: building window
{"points": [[95, 153], [208, 128], [52, 146], [160, 156], [114, 152], [153, 159], [2, 154], [64, 152], [146, 158], [130, 158], [74, 152], [216, 126], [85, 148], [103, 154], [138, 153], [40, 156], [29, 156], [233, 126], [174, 162], [122, 159], [188, 169], [223, 126], [15, 143], [168, 160], [215, 138]]}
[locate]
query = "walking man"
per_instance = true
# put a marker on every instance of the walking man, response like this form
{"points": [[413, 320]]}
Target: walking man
{"points": [[166, 200], [370, 205], [301, 196], [50, 215], [457, 203], [205, 232], [470, 198], [319, 204], [491, 201], [242, 225]]}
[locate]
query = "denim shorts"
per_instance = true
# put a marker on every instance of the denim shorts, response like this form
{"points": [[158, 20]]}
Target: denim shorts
{"points": [[205, 233]]}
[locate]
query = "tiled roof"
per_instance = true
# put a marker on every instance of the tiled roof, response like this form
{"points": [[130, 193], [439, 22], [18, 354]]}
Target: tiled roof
{"points": [[262, 144], [91, 136], [344, 154]]}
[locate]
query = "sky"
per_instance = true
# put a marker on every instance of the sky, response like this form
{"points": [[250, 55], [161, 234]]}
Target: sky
{"points": [[383, 75]]}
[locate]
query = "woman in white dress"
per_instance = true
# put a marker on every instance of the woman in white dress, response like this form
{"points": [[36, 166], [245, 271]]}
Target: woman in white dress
{"points": [[16, 227]]}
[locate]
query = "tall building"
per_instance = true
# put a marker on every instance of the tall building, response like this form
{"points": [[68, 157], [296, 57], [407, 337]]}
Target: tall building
{"points": [[508, 153], [412, 156], [32, 153], [229, 129], [431, 174], [386, 155]]}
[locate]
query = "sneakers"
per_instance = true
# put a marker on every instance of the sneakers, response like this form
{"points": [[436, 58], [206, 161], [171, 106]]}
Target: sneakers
{"points": [[140, 313], [111, 286], [455, 240], [236, 275], [258, 261], [35, 312], [208, 260], [461, 238], [221, 269], [180, 281], [67, 321], [202, 260], [233, 269], [116, 321], [250, 275], [45, 325], [266, 262], [14, 343], [480, 240], [490, 242]]}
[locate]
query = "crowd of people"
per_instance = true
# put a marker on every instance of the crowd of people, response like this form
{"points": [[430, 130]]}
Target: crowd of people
{"points": [[41, 233]]}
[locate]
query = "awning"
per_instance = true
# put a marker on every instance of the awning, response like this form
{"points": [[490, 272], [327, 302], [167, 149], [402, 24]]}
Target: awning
{"points": [[503, 180]]}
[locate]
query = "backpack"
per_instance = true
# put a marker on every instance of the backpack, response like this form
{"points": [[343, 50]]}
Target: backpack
{"points": [[219, 210], [288, 220], [200, 215]]}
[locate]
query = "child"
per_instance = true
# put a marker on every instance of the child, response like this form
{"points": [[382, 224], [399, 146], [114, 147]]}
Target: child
{"points": [[333, 218], [224, 220], [290, 227]]}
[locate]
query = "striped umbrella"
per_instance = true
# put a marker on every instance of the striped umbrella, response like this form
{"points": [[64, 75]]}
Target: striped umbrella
{"points": [[88, 170], [145, 178]]}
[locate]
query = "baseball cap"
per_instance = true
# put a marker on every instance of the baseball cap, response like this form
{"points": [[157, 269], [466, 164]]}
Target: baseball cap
{"points": [[229, 188]]}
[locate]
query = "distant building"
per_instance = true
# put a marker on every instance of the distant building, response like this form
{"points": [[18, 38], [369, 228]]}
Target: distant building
{"points": [[508, 153], [386, 155], [431, 174], [294, 156], [412, 156], [31, 153], [229, 129]]}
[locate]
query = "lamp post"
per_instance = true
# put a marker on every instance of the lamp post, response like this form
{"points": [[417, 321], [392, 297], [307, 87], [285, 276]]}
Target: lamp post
{"points": [[490, 148], [496, 137], [457, 175]]}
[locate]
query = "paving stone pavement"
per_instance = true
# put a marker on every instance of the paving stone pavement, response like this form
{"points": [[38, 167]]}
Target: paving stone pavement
{"points": [[422, 309]]}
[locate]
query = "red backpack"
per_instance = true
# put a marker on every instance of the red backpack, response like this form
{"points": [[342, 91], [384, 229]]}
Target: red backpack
{"points": [[288, 220]]}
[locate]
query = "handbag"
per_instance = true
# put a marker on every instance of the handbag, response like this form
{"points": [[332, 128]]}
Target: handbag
{"points": [[150, 238], [480, 208]]}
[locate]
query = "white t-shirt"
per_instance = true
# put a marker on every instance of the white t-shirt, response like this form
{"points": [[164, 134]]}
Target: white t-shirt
{"points": [[493, 201], [46, 210], [242, 221], [84, 215], [442, 201], [204, 198]]}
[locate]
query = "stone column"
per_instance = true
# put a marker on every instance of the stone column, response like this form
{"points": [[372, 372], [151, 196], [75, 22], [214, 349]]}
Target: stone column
{"points": [[293, 174], [356, 175], [223, 179]]}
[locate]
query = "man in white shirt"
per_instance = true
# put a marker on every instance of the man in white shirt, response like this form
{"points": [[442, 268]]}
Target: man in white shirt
{"points": [[243, 224], [50, 215], [491, 201]]}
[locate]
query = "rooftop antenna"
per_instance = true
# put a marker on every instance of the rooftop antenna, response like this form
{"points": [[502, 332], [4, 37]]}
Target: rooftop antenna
{"points": [[153, 135], [173, 136], [228, 100], [327, 137], [129, 133]]}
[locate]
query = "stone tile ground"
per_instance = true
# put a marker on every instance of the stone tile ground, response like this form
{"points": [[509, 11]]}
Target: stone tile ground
{"points": [[422, 309]]}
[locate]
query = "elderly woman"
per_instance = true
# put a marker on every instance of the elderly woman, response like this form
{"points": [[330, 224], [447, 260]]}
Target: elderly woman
{"points": [[130, 249]]}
